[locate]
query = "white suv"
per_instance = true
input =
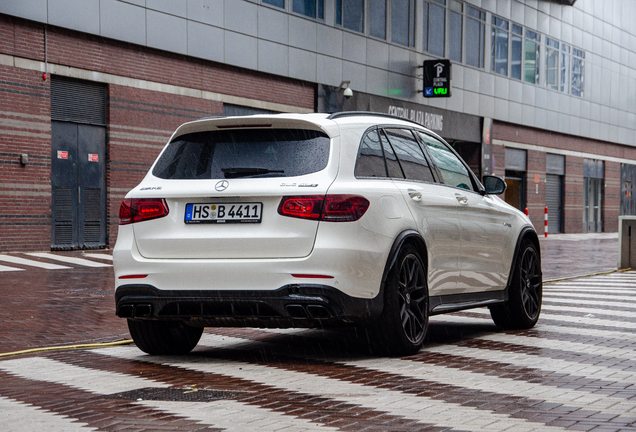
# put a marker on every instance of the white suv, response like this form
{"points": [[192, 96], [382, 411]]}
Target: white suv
{"points": [[317, 220]]}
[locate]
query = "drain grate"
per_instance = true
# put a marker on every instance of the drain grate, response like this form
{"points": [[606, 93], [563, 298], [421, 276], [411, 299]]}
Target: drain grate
{"points": [[176, 394]]}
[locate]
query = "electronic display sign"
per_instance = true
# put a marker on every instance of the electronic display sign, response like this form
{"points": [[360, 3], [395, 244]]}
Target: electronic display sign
{"points": [[437, 78]]}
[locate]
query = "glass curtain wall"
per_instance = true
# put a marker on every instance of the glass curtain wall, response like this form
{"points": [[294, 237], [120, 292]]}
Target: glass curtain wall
{"points": [[435, 27], [455, 30], [499, 46], [377, 18], [516, 42], [403, 22], [552, 64], [475, 37], [531, 57], [310, 8], [350, 14]]}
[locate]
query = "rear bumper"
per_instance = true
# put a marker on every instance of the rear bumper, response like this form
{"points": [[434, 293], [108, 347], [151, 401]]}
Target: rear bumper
{"points": [[300, 305]]}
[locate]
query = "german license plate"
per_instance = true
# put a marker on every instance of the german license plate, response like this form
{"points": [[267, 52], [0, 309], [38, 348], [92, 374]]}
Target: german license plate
{"points": [[223, 213]]}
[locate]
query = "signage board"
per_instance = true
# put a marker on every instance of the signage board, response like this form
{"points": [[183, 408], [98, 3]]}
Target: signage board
{"points": [[437, 78]]}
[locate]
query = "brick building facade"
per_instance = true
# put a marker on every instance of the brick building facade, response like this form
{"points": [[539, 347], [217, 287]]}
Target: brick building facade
{"points": [[149, 94]]}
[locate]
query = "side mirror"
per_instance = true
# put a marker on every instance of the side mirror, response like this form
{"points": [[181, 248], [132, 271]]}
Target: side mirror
{"points": [[494, 185]]}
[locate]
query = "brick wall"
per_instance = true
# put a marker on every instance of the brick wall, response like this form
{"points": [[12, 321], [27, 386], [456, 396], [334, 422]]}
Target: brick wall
{"points": [[573, 200], [139, 121], [25, 193]]}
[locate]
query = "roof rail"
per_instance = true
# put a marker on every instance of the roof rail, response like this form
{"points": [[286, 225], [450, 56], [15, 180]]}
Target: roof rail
{"points": [[367, 113]]}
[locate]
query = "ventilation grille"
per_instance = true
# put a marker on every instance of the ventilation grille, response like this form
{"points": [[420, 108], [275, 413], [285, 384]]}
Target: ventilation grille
{"points": [[78, 101], [63, 231], [92, 216]]}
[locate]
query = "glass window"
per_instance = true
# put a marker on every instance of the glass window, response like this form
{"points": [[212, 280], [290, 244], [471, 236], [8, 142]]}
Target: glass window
{"points": [[475, 37], [516, 42], [564, 74], [350, 14], [578, 71], [392, 165], [370, 161], [279, 3], [403, 22], [310, 8], [531, 58], [455, 30], [377, 18], [410, 155], [244, 153], [436, 26], [499, 46], [453, 171], [552, 64]]}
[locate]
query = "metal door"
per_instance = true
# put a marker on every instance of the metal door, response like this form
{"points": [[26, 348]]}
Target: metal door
{"points": [[554, 202], [78, 207]]}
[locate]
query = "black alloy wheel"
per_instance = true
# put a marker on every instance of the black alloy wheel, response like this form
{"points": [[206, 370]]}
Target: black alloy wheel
{"points": [[525, 292], [402, 327], [413, 299], [531, 284]]}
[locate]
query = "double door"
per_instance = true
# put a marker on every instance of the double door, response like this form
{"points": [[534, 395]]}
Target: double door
{"points": [[78, 186]]}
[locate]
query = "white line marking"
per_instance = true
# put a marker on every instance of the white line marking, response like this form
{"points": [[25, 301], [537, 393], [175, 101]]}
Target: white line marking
{"points": [[422, 409], [99, 256], [535, 362], [236, 416], [629, 337], [32, 263], [576, 298], [585, 320], [7, 269], [90, 380], [19, 417], [71, 260]]}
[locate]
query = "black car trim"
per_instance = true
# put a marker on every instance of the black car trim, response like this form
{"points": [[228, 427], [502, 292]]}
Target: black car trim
{"points": [[297, 305]]}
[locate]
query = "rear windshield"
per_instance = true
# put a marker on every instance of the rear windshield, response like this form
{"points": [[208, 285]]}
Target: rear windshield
{"points": [[244, 153]]}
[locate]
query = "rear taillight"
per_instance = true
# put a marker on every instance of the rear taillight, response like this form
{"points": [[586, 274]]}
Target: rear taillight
{"points": [[332, 208], [140, 209]]}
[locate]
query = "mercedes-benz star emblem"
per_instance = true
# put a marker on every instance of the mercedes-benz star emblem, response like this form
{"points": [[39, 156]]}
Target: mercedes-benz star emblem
{"points": [[222, 185]]}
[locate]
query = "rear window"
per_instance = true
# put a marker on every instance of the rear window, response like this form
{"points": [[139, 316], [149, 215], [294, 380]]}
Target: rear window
{"points": [[247, 153]]}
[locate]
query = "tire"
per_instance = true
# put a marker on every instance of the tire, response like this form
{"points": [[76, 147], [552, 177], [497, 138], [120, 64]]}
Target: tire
{"points": [[523, 307], [402, 327], [164, 337]]}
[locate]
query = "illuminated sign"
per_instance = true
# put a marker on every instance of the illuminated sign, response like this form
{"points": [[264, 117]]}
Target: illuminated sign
{"points": [[437, 78]]}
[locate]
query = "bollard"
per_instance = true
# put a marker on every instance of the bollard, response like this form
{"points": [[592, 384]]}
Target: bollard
{"points": [[546, 222]]}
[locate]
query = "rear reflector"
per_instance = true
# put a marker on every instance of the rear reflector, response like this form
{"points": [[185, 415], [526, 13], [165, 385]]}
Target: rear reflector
{"points": [[331, 208], [140, 209], [133, 276], [311, 276]]}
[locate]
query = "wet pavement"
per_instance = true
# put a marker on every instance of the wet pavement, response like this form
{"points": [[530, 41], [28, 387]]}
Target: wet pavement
{"points": [[575, 370]]}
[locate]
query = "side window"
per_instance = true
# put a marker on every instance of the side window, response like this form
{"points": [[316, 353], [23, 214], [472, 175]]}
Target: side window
{"points": [[410, 155], [392, 164], [370, 161], [453, 171]]}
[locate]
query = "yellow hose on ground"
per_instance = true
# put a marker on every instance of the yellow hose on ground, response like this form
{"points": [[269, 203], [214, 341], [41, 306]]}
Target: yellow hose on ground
{"points": [[67, 347]]}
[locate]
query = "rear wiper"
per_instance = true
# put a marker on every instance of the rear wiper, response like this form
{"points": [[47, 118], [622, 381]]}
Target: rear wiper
{"points": [[247, 172]]}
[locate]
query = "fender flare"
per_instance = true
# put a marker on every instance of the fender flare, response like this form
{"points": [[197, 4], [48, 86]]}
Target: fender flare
{"points": [[395, 249], [526, 233]]}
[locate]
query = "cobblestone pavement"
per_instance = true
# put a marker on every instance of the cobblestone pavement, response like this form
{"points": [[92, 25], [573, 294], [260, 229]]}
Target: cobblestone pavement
{"points": [[575, 370]]}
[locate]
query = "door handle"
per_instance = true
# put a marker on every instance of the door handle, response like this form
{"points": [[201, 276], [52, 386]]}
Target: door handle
{"points": [[415, 195], [463, 199]]}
